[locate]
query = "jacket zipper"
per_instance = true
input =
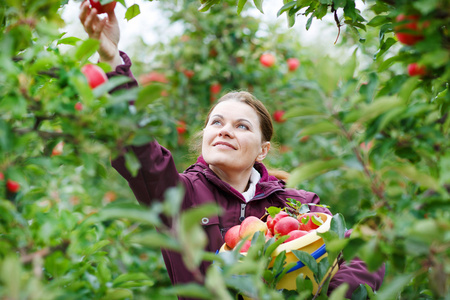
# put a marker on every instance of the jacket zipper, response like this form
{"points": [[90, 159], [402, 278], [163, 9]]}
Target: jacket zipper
{"points": [[242, 217]]}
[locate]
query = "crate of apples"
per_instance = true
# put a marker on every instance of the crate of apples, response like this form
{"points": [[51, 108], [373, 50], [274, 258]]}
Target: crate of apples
{"points": [[301, 231]]}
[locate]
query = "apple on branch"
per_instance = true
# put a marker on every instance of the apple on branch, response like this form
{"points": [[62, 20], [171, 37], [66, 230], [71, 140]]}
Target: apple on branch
{"points": [[94, 75], [267, 60], [12, 186], [293, 64], [278, 116]]}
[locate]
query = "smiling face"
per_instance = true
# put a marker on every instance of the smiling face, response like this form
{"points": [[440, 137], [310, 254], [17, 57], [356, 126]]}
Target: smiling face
{"points": [[232, 138]]}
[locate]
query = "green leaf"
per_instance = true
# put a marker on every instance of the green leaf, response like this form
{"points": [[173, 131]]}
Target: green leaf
{"points": [[124, 278], [156, 240], [131, 212], [373, 110], [303, 111], [116, 294], [372, 255], [378, 20], [311, 170], [148, 95], [110, 84], [391, 289], [286, 7], [206, 5], [132, 163], [69, 41], [307, 260], [97, 246], [320, 127], [258, 4], [240, 6], [86, 50], [338, 225], [132, 12], [339, 292], [410, 172]]}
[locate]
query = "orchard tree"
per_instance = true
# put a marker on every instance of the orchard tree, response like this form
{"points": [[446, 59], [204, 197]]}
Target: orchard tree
{"points": [[368, 134]]}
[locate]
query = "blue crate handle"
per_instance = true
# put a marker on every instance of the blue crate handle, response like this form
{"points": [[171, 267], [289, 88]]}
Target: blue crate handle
{"points": [[316, 254]]}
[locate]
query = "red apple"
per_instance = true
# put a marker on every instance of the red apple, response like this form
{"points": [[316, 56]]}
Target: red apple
{"points": [[304, 138], [232, 236], [415, 69], [215, 88], [250, 226], [181, 127], [246, 246], [272, 221], [189, 73], [267, 60], [78, 106], [94, 75], [153, 77], [286, 225], [278, 116], [309, 221], [293, 63], [58, 149], [12, 186], [409, 32], [101, 9], [2, 177], [295, 234]]}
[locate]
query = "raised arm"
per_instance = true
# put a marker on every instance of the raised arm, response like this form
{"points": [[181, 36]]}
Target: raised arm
{"points": [[106, 30]]}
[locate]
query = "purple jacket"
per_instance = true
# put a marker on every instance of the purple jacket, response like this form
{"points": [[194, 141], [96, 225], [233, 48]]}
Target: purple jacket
{"points": [[202, 185]]}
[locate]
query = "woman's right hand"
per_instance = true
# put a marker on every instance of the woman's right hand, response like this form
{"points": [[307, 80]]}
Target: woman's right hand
{"points": [[106, 30]]}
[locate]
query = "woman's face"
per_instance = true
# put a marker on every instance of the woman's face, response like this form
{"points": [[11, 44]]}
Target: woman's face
{"points": [[232, 138]]}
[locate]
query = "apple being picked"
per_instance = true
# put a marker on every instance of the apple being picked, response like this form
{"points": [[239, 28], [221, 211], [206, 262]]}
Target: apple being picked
{"points": [[232, 237], [250, 226], [94, 75], [286, 225], [101, 9], [309, 221]]}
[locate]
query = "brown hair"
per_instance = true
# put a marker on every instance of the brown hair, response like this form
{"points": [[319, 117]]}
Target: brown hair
{"points": [[264, 117], [263, 114]]}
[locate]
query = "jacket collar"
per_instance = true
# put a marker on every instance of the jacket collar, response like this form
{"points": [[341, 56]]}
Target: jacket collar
{"points": [[266, 185]]}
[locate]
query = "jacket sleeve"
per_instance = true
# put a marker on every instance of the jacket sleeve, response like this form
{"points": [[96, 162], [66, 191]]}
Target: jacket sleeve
{"points": [[124, 70], [158, 171], [156, 174], [355, 273]]}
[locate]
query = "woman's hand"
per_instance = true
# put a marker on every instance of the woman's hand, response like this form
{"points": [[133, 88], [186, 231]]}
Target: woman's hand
{"points": [[106, 30]]}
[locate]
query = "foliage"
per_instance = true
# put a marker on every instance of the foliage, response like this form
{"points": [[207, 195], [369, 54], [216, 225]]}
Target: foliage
{"points": [[360, 132]]}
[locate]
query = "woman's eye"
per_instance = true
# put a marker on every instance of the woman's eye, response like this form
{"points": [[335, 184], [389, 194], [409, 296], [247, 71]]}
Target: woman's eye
{"points": [[215, 122], [242, 126]]}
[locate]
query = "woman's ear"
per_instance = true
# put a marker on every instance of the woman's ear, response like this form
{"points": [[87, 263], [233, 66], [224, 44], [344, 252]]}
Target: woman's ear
{"points": [[265, 147]]}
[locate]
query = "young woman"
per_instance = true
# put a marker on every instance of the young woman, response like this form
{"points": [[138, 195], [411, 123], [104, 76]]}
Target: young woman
{"points": [[229, 171]]}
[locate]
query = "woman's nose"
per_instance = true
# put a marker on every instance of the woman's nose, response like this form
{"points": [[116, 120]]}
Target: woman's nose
{"points": [[226, 130]]}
